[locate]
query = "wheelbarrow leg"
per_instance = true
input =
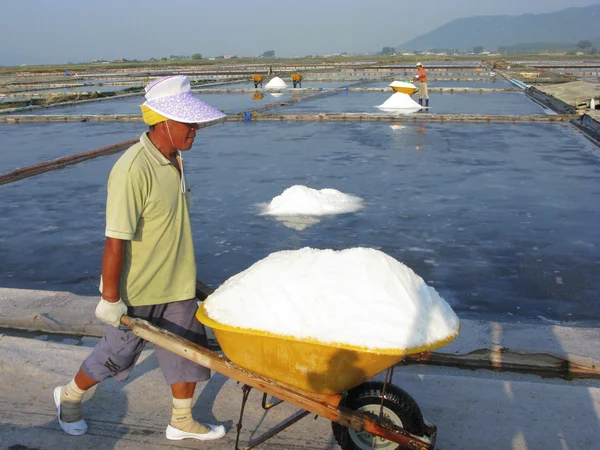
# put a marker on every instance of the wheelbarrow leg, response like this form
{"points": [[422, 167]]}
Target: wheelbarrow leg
{"points": [[273, 431], [267, 406], [245, 393]]}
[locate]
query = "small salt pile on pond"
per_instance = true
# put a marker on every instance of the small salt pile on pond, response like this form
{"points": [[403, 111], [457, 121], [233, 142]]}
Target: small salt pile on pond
{"points": [[399, 101], [302, 200], [299, 207], [360, 297], [276, 83]]}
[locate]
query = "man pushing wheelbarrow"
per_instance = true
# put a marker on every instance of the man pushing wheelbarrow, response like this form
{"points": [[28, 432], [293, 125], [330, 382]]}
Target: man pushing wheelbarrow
{"points": [[309, 327], [148, 268]]}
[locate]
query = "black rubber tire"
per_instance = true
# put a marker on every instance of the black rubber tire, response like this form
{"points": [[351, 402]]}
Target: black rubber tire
{"points": [[397, 400]]}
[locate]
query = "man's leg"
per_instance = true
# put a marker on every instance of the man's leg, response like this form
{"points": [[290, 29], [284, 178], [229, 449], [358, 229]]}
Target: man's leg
{"points": [[182, 374], [68, 403], [113, 356], [183, 389]]}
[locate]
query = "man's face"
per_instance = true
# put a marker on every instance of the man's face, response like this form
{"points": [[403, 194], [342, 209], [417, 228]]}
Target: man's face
{"points": [[183, 134]]}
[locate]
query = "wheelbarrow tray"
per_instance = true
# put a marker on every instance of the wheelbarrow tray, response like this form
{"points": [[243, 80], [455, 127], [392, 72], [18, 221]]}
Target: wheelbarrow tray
{"points": [[306, 364]]}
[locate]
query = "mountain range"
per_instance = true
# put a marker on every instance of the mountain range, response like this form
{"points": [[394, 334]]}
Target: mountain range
{"points": [[492, 32]]}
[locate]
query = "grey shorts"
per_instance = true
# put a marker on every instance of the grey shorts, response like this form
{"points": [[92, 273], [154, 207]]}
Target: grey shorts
{"points": [[118, 350]]}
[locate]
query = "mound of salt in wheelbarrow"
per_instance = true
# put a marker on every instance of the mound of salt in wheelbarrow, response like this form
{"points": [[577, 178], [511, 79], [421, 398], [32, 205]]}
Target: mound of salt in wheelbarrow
{"points": [[360, 297], [325, 320]]}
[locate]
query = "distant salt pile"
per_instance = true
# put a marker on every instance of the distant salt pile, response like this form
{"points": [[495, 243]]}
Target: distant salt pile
{"points": [[399, 101], [276, 83], [360, 297], [301, 200]]}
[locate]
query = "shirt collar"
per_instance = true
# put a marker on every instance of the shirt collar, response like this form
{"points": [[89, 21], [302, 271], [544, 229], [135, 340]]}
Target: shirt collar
{"points": [[153, 151]]}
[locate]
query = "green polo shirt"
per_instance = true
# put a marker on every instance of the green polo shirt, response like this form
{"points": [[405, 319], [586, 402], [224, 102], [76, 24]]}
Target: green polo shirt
{"points": [[146, 208]]}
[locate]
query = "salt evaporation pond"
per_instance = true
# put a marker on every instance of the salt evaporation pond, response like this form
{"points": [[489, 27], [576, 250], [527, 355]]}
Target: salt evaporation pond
{"points": [[515, 103], [229, 103], [498, 218], [27, 144]]}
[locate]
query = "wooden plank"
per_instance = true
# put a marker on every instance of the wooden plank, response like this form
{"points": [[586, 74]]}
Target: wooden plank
{"points": [[60, 163], [509, 360], [334, 117], [415, 117]]}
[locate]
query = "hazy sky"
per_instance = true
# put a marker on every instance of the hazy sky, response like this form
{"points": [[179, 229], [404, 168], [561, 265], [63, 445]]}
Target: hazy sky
{"points": [[81, 30]]}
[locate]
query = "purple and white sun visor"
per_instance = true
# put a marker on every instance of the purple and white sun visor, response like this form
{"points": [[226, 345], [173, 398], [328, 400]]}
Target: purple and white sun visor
{"points": [[172, 98]]}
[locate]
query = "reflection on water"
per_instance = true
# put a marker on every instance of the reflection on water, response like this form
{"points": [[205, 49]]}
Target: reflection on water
{"points": [[298, 222]]}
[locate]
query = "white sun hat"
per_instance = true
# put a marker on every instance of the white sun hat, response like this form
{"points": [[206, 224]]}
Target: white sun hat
{"points": [[172, 98], [419, 64]]}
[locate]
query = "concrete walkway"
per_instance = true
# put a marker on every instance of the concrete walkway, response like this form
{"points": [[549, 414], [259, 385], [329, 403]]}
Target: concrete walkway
{"points": [[476, 409], [473, 410]]}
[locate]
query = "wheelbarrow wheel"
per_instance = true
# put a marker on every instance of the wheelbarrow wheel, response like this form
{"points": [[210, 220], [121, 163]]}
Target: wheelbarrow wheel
{"points": [[398, 407]]}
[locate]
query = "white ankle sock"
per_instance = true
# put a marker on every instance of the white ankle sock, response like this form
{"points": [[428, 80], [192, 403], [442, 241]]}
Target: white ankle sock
{"points": [[70, 402], [181, 417]]}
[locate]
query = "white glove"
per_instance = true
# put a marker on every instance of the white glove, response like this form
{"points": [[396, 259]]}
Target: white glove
{"points": [[111, 312]]}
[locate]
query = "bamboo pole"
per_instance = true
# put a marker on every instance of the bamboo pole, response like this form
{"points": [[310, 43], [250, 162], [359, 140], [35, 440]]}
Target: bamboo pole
{"points": [[416, 117], [331, 117], [60, 163]]}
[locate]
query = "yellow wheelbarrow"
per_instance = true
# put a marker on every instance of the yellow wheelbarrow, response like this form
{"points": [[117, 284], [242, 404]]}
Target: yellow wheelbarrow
{"points": [[327, 380]]}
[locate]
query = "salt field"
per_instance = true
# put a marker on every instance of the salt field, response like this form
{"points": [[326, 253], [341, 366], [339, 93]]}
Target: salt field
{"points": [[494, 216], [230, 103], [462, 103]]}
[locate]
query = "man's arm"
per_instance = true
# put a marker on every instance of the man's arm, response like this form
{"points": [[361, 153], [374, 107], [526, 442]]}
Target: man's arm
{"points": [[112, 263], [111, 307]]}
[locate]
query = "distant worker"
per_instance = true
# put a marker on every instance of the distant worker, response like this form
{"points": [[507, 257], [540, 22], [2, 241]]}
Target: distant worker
{"points": [[297, 79], [422, 79], [257, 79]]}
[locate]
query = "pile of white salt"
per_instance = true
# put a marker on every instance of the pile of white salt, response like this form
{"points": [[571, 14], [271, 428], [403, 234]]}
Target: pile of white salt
{"points": [[276, 83], [301, 200], [399, 101], [359, 296]]}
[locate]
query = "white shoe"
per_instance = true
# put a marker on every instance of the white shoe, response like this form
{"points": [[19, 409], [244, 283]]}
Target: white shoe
{"points": [[216, 432], [73, 428]]}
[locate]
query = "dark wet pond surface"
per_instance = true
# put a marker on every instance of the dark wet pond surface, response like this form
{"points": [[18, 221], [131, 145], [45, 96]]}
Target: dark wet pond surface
{"points": [[499, 218], [515, 103]]}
